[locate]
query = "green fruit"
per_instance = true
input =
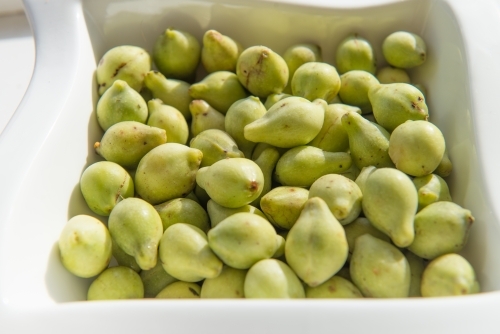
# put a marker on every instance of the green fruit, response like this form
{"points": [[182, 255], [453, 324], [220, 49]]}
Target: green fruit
{"points": [[431, 188], [229, 284], [103, 184], [267, 161], [176, 54], [127, 63], [283, 205], [389, 74], [155, 280], [123, 259], [215, 145], [204, 117], [335, 287], [243, 239], [186, 255], [390, 202], [136, 228], [169, 119], [316, 246], [316, 80], [272, 278], [445, 166], [127, 142], [299, 54], [232, 182], [262, 71], [417, 267], [183, 210], [116, 283], [219, 89], [120, 103], [85, 246], [167, 172], [218, 213], [291, 122], [272, 99], [180, 290], [416, 147], [379, 269], [302, 165], [219, 52], [359, 227], [355, 53], [404, 49], [354, 89]]}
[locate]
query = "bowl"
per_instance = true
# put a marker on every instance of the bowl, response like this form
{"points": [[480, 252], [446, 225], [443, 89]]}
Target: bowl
{"points": [[49, 142]]}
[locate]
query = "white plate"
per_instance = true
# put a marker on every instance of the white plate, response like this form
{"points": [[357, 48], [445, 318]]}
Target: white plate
{"points": [[48, 143]]}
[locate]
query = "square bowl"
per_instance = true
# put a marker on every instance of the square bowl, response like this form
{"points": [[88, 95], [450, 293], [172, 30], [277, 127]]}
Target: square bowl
{"points": [[49, 142]]}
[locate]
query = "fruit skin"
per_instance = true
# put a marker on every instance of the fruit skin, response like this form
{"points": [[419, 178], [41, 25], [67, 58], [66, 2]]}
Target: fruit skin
{"points": [[282, 205], [126, 62], [205, 117], [292, 122], [431, 188], [262, 71], [389, 74], [116, 283], [404, 49], [449, 275], [272, 278], [335, 287], [229, 284], [232, 182], [297, 55], [379, 269], [316, 80], [354, 89], [219, 52], [103, 184], [183, 210], [355, 53], [390, 202], [267, 161], [358, 227], [215, 145], [176, 54], [243, 239], [155, 280], [85, 246], [316, 246], [180, 290], [136, 228], [167, 172], [417, 147], [169, 119], [218, 213]]}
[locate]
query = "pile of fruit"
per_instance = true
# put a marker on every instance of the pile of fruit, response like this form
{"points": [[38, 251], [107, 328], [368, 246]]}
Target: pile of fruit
{"points": [[274, 176]]}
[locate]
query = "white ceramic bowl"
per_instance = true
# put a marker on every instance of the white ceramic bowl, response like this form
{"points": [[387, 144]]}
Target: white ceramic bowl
{"points": [[48, 144]]}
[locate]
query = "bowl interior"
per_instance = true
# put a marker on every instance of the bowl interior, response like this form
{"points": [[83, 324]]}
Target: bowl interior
{"points": [[50, 194]]}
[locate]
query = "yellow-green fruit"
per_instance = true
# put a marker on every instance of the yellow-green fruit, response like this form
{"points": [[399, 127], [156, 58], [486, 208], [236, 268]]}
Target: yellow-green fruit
{"points": [[183, 210], [363, 176], [180, 290], [202, 195], [155, 280], [218, 213], [440, 228], [272, 278], [186, 255], [299, 54], [316, 80], [431, 188], [341, 194], [359, 227], [120, 103], [280, 250], [219, 52], [267, 161], [389, 74], [379, 269], [173, 92], [103, 184], [243, 239], [316, 246], [390, 202], [127, 142], [344, 273], [354, 89], [126, 62], [416, 147], [394, 104], [176, 54], [169, 119], [368, 142], [449, 275], [85, 246], [167, 172], [240, 114], [204, 117], [445, 166], [352, 173], [215, 145], [282, 205], [123, 259], [302, 165], [274, 98], [335, 287], [229, 284], [219, 89], [355, 53], [333, 137], [417, 267], [404, 49], [136, 227], [116, 283], [262, 71], [232, 182], [291, 122], [260, 147]]}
